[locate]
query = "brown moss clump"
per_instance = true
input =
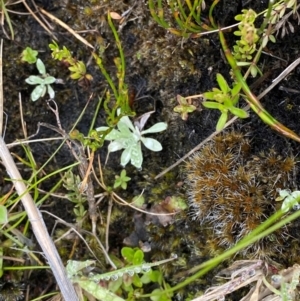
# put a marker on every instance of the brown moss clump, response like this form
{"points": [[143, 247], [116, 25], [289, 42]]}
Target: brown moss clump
{"points": [[232, 192]]}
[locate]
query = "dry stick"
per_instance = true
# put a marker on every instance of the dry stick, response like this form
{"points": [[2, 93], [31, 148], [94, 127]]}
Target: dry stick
{"points": [[1, 90], [37, 19], [68, 28], [274, 83], [38, 226]]}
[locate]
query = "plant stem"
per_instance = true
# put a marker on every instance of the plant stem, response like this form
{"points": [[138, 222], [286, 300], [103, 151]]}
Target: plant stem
{"points": [[251, 99]]}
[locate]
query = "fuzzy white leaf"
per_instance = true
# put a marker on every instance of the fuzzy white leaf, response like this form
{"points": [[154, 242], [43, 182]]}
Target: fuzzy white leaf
{"points": [[124, 129], [39, 91], [137, 156], [50, 91], [113, 135], [152, 144], [40, 66], [49, 80], [126, 155], [156, 128], [127, 121], [34, 80], [115, 146]]}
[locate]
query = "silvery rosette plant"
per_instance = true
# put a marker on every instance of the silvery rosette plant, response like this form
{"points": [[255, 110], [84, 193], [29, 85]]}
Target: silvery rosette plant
{"points": [[129, 137], [42, 81]]}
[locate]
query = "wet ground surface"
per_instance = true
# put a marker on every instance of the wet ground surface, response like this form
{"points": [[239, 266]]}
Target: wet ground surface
{"points": [[159, 66]]}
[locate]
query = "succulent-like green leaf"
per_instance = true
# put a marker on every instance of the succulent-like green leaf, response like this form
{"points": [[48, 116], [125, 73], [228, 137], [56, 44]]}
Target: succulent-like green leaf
{"points": [[124, 129], [38, 92], [3, 214], [212, 105], [222, 121], [112, 135], [222, 83], [40, 66], [156, 128], [152, 144], [138, 257], [127, 121], [34, 80], [50, 91], [98, 291], [238, 112], [236, 89], [49, 80], [126, 155], [209, 95], [116, 145], [137, 156]]}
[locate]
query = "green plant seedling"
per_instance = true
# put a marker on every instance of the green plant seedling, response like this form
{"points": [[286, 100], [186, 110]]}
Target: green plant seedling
{"points": [[225, 101], [123, 281], [185, 107], [77, 68], [251, 99], [42, 82], [29, 55], [129, 137], [121, 180], [73, 184]]}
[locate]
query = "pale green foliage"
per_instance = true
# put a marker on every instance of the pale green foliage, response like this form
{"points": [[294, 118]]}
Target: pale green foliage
{"points": [[245, 48], [73, 184], [42, 82], [77, 68], [184, 107], [290, 199], [279, 9], [3, 214], [225, 100], [29, 55], [128, 280], [121, 180], [129, 137]]}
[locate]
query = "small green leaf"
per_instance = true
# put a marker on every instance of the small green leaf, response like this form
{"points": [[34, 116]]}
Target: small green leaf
{"points": [[156, 276], [29, 55], [222, 121], [272, 38], [236, 89], [122, 180], [49, 80], [242, 64], [137, 281], [156, 128], [38, 92], [127, 254], [138, 257], [212, 105], [253, 71], [115, 285], [41, 67], [98, 291], [222, 83], [76, 75], [152, 144], [209, 95], [238, 112], [34, 80], [50, 91], [3, 215]]}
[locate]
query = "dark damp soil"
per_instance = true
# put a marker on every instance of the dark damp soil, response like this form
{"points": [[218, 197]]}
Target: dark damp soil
{"points": [[159, 66]]}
